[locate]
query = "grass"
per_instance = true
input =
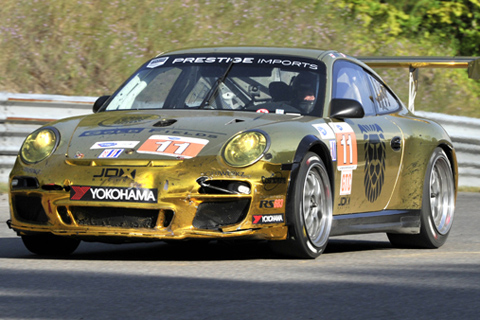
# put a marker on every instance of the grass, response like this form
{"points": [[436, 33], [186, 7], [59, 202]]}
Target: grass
{"points": [[469, 189], [89, 48], [3, 187]]}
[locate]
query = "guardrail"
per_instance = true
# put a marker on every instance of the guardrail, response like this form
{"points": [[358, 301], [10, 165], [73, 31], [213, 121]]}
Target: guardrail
{"points": [[465, 134], [21, 114]]}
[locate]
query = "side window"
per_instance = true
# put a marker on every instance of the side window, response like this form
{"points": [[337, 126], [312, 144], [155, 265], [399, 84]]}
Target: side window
{"points": [[385, 101], [351, 82]]}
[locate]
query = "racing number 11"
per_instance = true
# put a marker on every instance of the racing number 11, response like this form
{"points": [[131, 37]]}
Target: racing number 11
{"points": [[347, 152], [173, 146], [347, 143], [181, 147]]}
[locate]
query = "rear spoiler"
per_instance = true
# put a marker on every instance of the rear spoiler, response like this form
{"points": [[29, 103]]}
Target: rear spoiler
{"points": [[414, 63]]}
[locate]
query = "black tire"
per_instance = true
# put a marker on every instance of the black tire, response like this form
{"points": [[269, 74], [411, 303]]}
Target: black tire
{"points": [[438, 206], [50, 245], [310, 219]]}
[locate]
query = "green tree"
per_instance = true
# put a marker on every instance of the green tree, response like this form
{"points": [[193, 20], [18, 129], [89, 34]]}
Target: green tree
{"points": [[456, 22]]}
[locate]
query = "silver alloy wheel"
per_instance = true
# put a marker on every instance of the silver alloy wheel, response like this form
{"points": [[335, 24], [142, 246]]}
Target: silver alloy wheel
{"points": [[442, 202], [317, 205]]}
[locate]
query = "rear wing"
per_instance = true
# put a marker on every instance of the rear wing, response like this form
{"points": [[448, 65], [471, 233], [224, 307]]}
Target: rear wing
{"points": [[414, 63]]}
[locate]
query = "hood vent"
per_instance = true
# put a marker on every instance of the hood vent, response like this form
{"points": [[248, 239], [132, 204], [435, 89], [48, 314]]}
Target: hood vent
{"points": [[234, 121], [165, 123]]}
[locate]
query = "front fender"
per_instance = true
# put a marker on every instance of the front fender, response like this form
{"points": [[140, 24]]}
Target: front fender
{"points": [[308, 143]]}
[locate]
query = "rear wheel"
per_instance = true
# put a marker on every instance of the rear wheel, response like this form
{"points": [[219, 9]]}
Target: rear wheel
{"points": [[438, 206], [311, 216], [50, 245]]}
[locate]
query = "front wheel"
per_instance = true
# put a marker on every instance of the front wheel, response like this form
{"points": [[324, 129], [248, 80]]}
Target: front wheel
{"points": [[438, 206], [311, 211], [50, 245]]}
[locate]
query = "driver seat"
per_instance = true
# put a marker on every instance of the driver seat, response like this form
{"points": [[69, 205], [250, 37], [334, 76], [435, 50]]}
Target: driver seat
{"points": [[280, 91]]}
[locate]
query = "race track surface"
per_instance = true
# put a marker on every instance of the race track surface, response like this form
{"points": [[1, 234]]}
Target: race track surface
{"points": [[358, 277]]}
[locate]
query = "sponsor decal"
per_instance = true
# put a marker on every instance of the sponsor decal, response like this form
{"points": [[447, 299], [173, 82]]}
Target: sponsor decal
{"points": [[91, 133], [289, 63], [267, 218], [84, 193], [262, 111], [346, 182], [336, 55], [114, 144], [128, 120], [333, 149], [375, 153], [271, 204], [173, 146], [346, 146], [115, 173], [344, 201], [325, 131], [200, 60], [191, 133], [111, 153], [157, 62], [224, 173], [226, 60], [270, 183]]}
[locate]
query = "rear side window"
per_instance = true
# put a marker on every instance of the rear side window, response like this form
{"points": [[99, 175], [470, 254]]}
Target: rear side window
{"points": [[385, 101]]}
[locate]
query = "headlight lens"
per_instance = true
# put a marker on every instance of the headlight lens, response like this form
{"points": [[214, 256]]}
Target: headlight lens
{"points": [[245, 148], [39, 145]]}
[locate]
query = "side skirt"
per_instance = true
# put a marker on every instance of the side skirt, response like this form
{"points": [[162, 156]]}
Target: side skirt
{"points": [[390, 221]]}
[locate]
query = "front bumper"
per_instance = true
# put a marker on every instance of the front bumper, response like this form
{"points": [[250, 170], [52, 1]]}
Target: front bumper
{"points": [[159, 201]]}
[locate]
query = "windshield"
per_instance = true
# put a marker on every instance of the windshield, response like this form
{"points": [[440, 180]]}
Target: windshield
{"points": [[244, 83]]}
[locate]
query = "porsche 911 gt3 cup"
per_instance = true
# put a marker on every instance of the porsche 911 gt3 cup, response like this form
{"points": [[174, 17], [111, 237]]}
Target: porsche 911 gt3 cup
{"points": [[290, 146]]}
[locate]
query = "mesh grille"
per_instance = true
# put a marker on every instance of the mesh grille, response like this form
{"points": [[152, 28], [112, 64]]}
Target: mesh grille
{"points": [[115, 217], [212, 215]]}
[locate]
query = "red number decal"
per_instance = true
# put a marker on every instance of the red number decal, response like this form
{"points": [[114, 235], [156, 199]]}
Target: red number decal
{"points": [[346, 147], [173, 146], [346, 182]]}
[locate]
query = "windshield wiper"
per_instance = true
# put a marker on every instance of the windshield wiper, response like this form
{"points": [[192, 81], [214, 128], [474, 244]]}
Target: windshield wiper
{"points": [[214, 89]]}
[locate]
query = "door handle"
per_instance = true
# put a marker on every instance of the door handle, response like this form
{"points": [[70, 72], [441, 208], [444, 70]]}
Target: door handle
{"points": [[396, 143]]}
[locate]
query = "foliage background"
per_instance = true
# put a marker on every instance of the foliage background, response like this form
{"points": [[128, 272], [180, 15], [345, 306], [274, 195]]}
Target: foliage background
{"points": [[88, 48]]}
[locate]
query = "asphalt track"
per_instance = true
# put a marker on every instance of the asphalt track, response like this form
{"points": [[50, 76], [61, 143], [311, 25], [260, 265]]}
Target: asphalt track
{"points": [[359, 277]]}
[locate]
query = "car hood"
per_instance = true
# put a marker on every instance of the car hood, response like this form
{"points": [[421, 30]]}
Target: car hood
{"points": [[124, 134]]}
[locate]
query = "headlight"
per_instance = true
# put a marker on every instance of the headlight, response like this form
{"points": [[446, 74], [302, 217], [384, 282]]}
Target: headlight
{"points": [[245, 148], [39, 145]]}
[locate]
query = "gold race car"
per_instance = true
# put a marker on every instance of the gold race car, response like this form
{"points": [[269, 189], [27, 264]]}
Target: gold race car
{"points": [[291, 146]]}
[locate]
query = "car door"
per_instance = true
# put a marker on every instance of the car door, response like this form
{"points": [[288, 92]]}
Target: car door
{"points": [[369, 149]]}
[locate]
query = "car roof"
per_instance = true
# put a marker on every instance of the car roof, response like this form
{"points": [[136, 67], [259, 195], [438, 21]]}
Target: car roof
{"points": [[327, 56], [299, 52]]}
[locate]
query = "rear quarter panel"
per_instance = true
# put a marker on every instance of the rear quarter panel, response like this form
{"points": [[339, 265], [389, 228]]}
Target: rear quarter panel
{"points": [[421, 137]]}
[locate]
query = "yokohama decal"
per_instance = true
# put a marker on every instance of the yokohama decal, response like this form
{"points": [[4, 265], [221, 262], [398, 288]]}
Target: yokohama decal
{"points": [[267, 218], [77, 193], [80, 193]]}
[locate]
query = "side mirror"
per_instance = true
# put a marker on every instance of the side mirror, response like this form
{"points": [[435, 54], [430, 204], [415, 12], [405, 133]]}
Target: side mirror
{"points": [[346, 108], [99, 103]]}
